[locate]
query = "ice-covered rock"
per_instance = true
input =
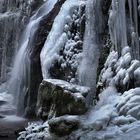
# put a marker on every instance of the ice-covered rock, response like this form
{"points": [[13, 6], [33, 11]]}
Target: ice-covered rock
{"points": [[130, 103], [64, 125], [61, 53], [35, 131], [57, 98], [122, 72]]}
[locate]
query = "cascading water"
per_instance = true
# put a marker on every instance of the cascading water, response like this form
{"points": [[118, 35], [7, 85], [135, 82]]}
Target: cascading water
{"points": [[91, 47], [20, 75]]}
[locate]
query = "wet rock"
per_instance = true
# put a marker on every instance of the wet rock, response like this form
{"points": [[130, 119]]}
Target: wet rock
{"points": [[64, 125], [57, 98]]}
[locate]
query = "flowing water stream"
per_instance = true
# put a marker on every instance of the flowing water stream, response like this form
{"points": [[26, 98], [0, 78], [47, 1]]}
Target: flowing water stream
{"points": [[20, 75]]}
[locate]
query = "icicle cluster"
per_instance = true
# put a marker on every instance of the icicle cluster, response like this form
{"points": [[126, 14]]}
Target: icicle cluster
{"points": [[123, 26]]}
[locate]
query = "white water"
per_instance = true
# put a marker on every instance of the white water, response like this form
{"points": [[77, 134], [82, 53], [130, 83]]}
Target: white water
{"points": [[20, 75]]}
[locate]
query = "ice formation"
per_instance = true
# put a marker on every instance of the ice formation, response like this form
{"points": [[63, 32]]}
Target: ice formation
{"points": [[61, 38]]}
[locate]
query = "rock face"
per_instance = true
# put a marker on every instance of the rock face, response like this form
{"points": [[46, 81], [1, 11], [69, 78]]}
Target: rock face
{"points": [[57, 98], [64, 125]]}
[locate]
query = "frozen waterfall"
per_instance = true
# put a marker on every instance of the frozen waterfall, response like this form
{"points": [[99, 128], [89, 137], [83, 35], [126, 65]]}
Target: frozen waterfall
{"points": [[57, 39]]}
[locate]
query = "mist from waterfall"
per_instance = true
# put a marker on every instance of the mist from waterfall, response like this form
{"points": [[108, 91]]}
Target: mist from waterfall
{"points": [[20, 75]]}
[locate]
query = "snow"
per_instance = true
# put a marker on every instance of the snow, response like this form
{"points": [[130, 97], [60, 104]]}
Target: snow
{"points": [[137, 74], [120, 71], [35, 131], [110, 119], [129, 103], [69, 86], [105, 108]]}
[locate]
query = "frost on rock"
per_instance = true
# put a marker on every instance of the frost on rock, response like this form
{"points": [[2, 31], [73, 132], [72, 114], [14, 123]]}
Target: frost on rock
{"points": [[104, 122], [113, 117], [129, 103], [35, 131], [64, 125], [61, 53], [121, 72]]}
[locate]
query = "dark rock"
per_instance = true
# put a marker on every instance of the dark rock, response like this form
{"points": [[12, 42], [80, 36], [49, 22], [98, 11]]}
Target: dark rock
{"points": [[64, 125], [57, 98], [1, 116], [2, 102]]}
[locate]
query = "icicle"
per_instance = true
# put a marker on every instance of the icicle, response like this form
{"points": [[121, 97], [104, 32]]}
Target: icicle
{"points": [[118, 23], [135, 7], [122, 20], [130, 10]]}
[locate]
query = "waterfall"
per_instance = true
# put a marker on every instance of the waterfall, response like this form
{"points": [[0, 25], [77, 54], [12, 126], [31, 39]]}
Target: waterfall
{"points": [[20, 75], [13, 17], [123, 26], [88, 66], [9, 24]]}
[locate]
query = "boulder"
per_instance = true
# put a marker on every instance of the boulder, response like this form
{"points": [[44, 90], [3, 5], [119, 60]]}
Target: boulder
{"points": [[57, 98], [62, 126]]}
